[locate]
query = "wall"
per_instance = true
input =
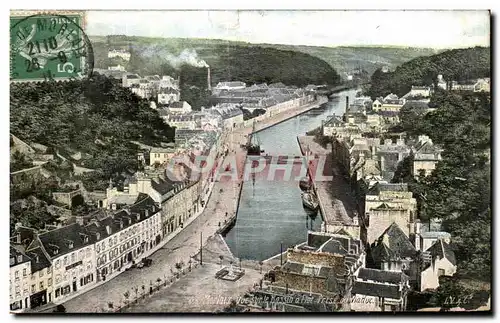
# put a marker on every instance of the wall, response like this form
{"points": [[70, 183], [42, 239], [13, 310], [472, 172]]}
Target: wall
{"points": [[380, 220], [21, 284], [301, 282], [316, 258]]}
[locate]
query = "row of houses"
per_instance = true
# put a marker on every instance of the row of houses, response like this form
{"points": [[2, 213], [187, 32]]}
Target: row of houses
{"points": [[333, 271], [48, 267]]}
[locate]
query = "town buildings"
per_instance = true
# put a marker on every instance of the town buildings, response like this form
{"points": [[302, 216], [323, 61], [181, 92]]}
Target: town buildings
{"points": [[123, 54], [425, 156], [387, 203], [20, 280]]}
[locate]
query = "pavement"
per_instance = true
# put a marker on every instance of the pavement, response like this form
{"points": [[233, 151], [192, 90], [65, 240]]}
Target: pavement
{"points": [[185, 243]]}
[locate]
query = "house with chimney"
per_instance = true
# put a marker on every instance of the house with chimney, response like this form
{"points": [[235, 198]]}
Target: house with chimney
{"points": [[420, 92], [228, 86], [231, 115], [376, 290], [168, 95], [326, 266], [387, 203], [390, 103], [71, 251], [121, 239], [426, 155], [437, 257]]}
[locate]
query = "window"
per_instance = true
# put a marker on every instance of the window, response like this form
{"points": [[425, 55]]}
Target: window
{"points": [[73, 257], [41, 273], [58, 263], [25, 291], [80, 255], [49, 269], [18, 291], [16, 275], [24, 272], [49, 282], [58, 279], [41, 285], [65, 261], [19, 258], [441, 272], [87, 252], [33, 289]]}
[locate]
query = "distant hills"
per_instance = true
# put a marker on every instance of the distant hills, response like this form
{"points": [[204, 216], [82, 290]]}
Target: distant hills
{"points": [[341, 59], [455, 64]]}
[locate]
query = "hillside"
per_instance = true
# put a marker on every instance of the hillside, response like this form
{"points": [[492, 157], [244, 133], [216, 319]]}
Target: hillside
{"points": [[455, 64], [94, 119], [227, 60], [342, 59]]}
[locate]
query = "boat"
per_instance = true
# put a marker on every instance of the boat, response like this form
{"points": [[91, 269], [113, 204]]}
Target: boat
{"points": [[253, 147], [310, 201], [305, 184]]}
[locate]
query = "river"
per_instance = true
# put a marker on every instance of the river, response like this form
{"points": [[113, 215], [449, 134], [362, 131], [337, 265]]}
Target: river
{"points": [[271, 212]]}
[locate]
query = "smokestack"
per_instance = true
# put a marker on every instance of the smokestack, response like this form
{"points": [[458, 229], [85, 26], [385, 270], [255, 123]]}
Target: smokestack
{"points": [[209, 81], [346, 103]]}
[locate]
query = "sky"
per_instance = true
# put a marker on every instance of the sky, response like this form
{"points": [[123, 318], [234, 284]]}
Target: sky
{"points": [[435, 29]]}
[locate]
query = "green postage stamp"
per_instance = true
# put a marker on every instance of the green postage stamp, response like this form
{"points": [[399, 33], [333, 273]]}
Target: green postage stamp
{"points": [[49, 46]]}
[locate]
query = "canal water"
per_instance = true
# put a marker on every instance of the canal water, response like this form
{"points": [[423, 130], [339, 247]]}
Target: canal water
{"points": [[271, 212]]}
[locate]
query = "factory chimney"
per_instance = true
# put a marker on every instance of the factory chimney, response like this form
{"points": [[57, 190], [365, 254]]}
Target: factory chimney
{"points": [[209, 81]]}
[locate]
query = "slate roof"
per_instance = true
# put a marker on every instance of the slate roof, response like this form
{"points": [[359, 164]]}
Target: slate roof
{"points": [[375, 289], [64, 240], [317, 240], [39, 260], [396, 244], [334, 121], [14, 254], [384, 187], [443, 250], [381, 276]]}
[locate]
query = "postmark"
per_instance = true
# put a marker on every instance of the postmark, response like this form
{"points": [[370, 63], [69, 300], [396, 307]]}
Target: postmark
{"points": [[49, 46]]}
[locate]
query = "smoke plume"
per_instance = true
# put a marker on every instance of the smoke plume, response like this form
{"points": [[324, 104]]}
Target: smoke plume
{"points": [[186, 57]]}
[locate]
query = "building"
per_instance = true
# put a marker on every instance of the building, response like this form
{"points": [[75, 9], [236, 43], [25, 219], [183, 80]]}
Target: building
{"points": [[482, 85], [439, 260], [418, 92], [180, 121], [122, 238], [390, 154], [325, 266], [70, 249], [231, 115], [144, 89], [123, 54], [390, 103], [385, 204], [41, 289], [441, 83], [426, 155], [332, 126], [117, 68], [128, 79], [159, 155], [20, 280], [377, 290], [168, 95], [229, 86], [179, 108]]}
